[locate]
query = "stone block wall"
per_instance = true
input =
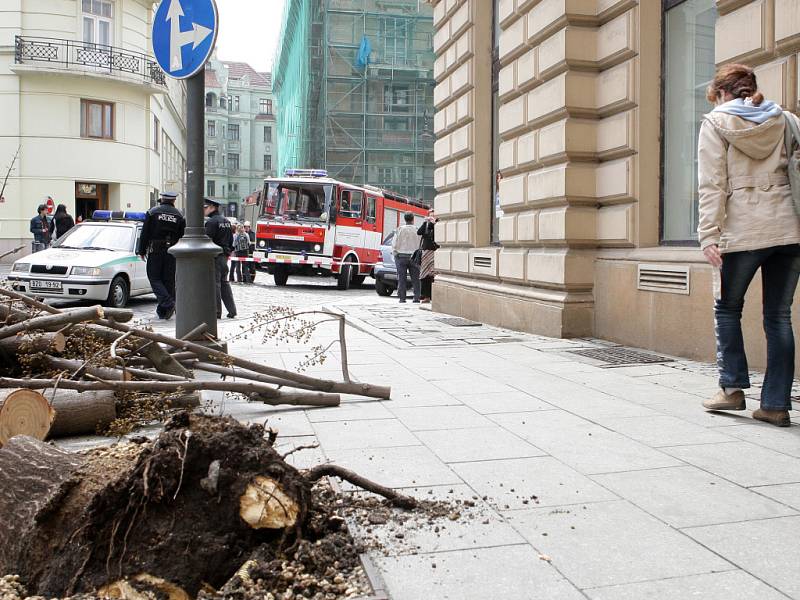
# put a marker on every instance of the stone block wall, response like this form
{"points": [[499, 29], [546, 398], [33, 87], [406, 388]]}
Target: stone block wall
{"points": [[570, 125]]}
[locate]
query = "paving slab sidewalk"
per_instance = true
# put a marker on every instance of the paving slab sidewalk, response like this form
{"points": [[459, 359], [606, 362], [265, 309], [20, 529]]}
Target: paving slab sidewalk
{"points": [[594, 482], [588, 482]]}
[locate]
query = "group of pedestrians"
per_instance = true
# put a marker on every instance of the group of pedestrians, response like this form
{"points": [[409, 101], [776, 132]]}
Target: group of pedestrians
{"points": [[45, 229], [244, 242], [413, 249]]}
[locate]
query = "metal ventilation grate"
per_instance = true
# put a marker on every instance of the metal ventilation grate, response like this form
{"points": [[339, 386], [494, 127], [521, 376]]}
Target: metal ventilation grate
{"points": [[617, 357], [672, 279], [457, 322], [482, 262]]}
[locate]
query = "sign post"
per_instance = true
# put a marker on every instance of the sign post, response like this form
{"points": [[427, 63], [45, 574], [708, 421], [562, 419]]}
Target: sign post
{"points": [[184, 34]]}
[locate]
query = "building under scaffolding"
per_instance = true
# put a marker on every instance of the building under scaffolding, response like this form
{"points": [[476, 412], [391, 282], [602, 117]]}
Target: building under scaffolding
{"points": [[354, 81]]}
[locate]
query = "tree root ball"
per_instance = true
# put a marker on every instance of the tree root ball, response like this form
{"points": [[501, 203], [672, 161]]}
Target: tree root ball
{"points": [[170, 510]]}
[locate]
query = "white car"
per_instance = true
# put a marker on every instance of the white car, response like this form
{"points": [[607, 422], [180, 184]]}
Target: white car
{"points": [[95, 260]]}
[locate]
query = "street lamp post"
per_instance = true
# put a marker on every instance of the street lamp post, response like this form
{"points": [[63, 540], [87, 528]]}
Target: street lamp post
{"points": [[194, 254], [184, 33]]}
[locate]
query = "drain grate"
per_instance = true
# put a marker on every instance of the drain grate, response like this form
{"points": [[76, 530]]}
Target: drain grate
{"points": [[617, 357], [457, 322]]}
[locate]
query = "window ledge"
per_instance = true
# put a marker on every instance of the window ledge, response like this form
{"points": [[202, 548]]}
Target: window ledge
{"points": [[664, 254]]}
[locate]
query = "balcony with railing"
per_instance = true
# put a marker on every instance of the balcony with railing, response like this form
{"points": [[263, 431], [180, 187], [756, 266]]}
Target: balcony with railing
{"points": [[85, 59]]}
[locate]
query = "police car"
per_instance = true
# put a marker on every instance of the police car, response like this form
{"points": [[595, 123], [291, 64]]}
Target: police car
{"points": [[95, 260]]}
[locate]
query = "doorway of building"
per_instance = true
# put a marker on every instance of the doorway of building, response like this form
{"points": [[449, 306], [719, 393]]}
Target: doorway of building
{"points": [[90, 197]]}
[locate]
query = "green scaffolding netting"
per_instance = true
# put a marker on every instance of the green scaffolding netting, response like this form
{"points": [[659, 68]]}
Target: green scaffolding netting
{"points": [[354, 83]]}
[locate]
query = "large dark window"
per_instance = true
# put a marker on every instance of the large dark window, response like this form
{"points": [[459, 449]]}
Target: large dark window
{"points": [[688, 69]]}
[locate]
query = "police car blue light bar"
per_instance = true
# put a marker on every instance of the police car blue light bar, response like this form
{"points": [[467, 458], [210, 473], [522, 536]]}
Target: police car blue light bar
{"points": [[110, 215], [306, 173]]}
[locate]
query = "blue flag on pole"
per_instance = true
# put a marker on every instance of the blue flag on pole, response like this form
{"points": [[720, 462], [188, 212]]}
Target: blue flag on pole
{"points": [[362, 57]]}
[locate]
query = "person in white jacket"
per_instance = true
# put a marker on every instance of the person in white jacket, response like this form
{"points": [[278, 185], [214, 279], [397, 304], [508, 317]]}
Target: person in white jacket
{"points": [[406, 241], [748, 222]]}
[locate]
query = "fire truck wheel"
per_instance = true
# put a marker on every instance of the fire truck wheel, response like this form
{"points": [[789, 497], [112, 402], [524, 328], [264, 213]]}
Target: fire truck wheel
{"points": [[382, 288], [281, 276], [345, 278], [359, 279]]}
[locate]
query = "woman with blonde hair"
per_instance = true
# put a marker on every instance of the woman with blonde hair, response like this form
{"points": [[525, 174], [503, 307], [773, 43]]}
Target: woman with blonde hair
{"points": [[748, 222]]}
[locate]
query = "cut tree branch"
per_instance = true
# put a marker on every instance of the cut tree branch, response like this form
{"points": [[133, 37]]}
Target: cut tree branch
{"points": [[396, 498], [264, 393]]}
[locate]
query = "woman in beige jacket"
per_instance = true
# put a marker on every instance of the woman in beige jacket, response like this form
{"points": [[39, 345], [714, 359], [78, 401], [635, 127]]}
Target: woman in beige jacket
{"points": [[748, 222]]}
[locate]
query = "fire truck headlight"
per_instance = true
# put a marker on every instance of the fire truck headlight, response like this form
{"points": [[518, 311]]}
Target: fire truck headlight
{"points": [[262, 243], [317, 247]]}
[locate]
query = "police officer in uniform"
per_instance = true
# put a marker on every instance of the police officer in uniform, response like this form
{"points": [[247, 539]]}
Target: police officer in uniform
{"points": [[163, 226], [219, 229]]}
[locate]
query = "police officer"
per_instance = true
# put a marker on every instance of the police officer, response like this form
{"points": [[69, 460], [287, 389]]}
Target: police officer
{"points": [[163, 226], [218, 228]]}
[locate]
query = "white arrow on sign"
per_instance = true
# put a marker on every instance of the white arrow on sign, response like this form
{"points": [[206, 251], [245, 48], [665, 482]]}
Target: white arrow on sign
{"points": [[178, 39]]}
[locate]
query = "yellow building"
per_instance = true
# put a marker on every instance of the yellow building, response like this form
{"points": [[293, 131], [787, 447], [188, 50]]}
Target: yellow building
{"points": [[95, 121], [589, 110]]}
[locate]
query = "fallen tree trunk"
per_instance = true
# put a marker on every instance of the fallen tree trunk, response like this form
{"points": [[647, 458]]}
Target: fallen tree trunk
{"points": [[24, 412], [82, 413], [264, 392], [29, 412], [55, 321], [47, 343], [32, 476]]}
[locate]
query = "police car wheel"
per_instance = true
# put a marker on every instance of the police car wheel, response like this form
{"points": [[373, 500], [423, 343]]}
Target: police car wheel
{"points": [[382, 288], [118, 293]]}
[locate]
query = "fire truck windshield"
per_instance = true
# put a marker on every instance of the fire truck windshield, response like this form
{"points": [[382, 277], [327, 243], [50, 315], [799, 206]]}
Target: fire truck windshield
{"points": [[298, 201]]}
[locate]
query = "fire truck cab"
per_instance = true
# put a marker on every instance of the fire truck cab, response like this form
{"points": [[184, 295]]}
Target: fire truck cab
{"points": [[311, 224]]}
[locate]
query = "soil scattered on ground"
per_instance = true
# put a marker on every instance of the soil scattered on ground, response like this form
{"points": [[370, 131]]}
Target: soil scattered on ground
{"points": [[158, 519]]}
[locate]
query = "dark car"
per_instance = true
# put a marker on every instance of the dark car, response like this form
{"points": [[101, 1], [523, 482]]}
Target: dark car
{"points": [[385, 272]]}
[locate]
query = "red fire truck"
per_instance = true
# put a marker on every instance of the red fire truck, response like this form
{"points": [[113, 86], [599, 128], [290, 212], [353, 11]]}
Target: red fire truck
{"points": [[311, 224]]}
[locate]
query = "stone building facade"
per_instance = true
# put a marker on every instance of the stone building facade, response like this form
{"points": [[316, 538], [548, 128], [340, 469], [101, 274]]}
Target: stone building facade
{"points": [[241, 137], [92, 120], [566, 160]]}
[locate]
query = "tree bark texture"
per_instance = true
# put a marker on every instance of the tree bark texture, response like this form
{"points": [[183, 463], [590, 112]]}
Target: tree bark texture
{"points": [[33, 478], [82, 413], [48, 343]]}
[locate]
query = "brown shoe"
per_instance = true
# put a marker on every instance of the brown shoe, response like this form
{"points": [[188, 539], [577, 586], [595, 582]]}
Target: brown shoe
{"points": [[723, 401], [779, 418]]}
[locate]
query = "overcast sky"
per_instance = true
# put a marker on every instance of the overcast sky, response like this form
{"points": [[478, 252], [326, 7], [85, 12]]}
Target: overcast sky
{"points": [[249, 31]]}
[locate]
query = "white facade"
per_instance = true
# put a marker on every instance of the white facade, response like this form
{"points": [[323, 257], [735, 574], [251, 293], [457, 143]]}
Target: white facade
{"points": [[241, 131], [97, 126]]}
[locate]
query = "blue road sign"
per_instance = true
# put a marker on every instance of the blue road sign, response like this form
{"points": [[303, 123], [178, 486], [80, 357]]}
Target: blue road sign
{"points": [[184, 34]]}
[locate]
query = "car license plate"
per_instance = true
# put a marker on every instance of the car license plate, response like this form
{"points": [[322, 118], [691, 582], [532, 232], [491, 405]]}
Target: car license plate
{"points": [[259, 255], [45, 285], [283, 257]]}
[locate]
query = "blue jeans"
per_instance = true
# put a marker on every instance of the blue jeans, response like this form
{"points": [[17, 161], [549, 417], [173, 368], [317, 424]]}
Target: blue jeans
{"points": [[780, 268]]}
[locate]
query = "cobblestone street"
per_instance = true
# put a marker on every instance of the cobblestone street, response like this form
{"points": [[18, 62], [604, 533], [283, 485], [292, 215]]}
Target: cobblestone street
{"points": [[592, 477]]}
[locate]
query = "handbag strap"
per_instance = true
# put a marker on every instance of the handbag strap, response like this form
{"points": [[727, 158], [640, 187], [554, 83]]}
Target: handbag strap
{"points": [[791, 134]]}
